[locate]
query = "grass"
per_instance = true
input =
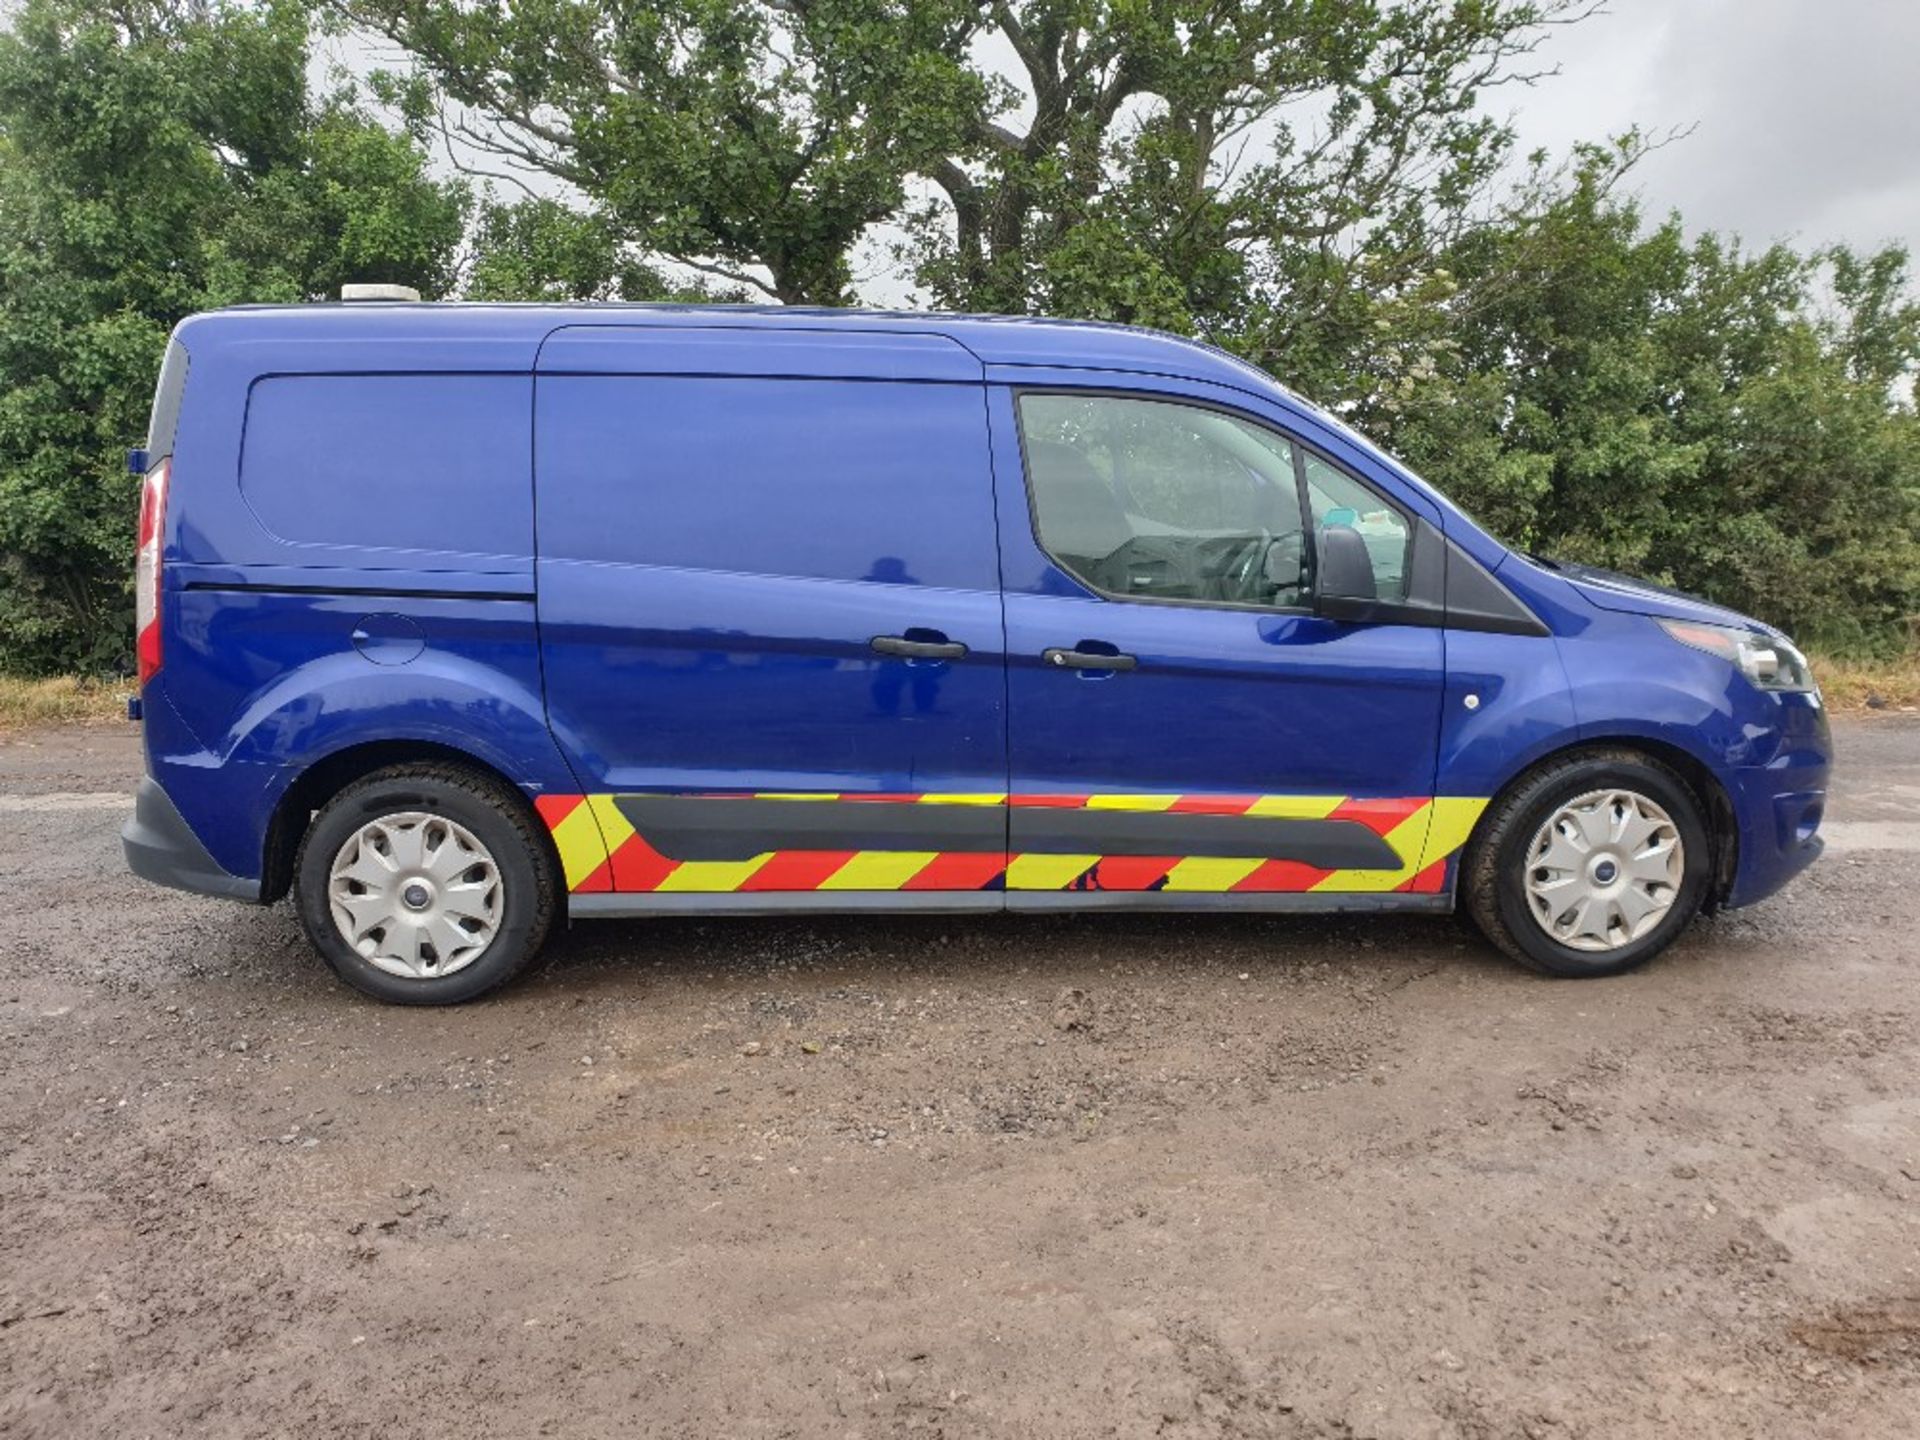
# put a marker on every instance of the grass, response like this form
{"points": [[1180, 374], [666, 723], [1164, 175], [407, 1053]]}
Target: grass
{"points": [[62, 700], [1855, 684], [1849, 685]]}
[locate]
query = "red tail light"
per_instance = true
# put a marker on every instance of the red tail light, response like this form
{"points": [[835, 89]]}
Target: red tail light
{"points": [[146, 570]]}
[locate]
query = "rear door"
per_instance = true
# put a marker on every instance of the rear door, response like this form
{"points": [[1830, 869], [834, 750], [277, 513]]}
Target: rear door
{"points": [[770, 611], [1180, 719]]}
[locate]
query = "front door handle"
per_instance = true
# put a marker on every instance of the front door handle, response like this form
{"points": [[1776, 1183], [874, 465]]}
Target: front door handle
{"points": [[1086, 659], [915, 648]]}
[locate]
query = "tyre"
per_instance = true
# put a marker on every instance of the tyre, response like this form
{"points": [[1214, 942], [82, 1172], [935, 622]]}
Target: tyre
{"points": [[1589, 865], [425, 884]]}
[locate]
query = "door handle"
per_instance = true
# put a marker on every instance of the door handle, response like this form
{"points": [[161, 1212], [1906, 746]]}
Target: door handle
{"points": [[912, 649], [1086, 659]]}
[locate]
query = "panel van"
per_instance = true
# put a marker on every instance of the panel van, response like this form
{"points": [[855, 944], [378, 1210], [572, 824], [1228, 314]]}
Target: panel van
{"points": [[460, 621]]}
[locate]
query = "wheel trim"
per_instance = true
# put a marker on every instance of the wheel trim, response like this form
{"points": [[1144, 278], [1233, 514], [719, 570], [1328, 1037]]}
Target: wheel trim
{"points": [[416, 895], [1604, 870]]}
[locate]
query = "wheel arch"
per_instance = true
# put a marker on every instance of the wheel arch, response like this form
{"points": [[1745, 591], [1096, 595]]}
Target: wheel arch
{"points": [[1716, 807], [326, 777]]}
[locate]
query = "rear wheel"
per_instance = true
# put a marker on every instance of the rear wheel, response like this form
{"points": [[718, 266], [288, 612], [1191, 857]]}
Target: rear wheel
{"points": [[1589, 865], [425, 885]]}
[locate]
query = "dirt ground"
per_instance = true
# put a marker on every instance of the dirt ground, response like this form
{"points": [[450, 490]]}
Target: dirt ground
{"points": [[983, 1177]]}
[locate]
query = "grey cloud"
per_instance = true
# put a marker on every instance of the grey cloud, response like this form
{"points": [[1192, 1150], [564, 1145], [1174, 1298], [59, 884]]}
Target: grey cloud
{"points": [[1806, 115]]}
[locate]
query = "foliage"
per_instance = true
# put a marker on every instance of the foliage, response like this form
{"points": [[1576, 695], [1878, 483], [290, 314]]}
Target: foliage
{"points": [[760, 140], [59, 700], [540, 249], [1886, 683], [1680, 409], [1313, 184], [1191, 164], [159, 157], [752, 142]]}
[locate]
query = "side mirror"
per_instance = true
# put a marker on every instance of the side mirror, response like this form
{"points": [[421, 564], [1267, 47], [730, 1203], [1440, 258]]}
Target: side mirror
{"points": [[1345, 570]]}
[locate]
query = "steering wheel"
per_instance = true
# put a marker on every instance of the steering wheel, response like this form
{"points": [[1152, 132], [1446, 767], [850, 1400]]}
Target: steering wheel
{"points": [[1248, 564], [1250, 567]]}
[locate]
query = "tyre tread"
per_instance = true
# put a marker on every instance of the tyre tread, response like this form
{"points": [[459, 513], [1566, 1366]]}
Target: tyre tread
{"points": [[1480, 873], [512, 808]]}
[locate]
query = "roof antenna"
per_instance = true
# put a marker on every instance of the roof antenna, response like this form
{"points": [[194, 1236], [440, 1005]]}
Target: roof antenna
{"points": [[378, 292]]}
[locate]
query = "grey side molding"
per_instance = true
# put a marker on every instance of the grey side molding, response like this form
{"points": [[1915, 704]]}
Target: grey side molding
{"points": [[162, 847]]}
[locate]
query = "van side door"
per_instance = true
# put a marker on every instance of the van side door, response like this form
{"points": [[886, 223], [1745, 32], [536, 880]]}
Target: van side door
{"points": [[1180, 719], [770, 612]]}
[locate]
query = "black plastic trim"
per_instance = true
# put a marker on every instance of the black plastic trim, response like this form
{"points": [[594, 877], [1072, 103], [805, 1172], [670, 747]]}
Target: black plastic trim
{"points": [[781, 902], [381, 592], [1426, 566], [1476, 600], [168, 391], [913, 648], [160, 846], [1266, 902], [653, 903], [739, 827], [1327, 844], [1056, 657], [1354, 610]]}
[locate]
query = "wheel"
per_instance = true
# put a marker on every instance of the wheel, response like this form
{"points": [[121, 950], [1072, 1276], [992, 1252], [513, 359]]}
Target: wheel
{"points": [[1589, 865], [425, 885]]}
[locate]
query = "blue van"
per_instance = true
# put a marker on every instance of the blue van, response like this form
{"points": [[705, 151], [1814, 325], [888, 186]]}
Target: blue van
{"points": [[459, 620]]}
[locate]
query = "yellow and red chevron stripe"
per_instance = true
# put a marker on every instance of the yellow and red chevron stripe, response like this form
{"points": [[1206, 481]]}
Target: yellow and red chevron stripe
{"points": [[600, 851]]}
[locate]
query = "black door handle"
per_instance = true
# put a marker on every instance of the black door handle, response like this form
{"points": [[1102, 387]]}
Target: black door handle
{"points": [[942, 649], [1086, 659]]}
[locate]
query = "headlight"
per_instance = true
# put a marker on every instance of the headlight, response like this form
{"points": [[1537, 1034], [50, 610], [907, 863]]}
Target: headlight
{"points": [[1771, 664]]}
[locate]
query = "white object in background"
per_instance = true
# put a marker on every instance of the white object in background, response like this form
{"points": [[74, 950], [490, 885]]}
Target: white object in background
{"points": [[378, 292]]}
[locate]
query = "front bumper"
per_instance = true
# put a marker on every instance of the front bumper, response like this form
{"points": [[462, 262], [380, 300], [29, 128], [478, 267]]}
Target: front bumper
{"points": [[1778, 805], [162, 847]]}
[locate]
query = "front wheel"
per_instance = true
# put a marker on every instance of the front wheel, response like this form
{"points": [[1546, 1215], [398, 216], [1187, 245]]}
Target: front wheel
{"points": [[1590, 865], [424, 885]]}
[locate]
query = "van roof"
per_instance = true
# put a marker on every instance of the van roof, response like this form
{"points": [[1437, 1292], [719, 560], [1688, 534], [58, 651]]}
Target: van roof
{"points": [[506, 337], [994, 339]]}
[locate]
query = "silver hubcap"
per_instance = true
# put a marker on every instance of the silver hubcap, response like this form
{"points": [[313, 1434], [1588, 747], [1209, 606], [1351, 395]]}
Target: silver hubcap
{"points": [[1604, 870], [416, 894]]}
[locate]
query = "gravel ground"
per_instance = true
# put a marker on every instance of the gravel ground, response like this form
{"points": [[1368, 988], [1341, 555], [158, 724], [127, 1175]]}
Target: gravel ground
{"points": [[994, 1177]]}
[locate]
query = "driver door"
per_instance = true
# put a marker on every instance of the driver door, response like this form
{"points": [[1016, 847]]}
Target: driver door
{"points": [[1179, 719]]}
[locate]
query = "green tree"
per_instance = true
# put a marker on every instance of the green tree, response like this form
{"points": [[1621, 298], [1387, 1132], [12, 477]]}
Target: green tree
{"points": [[1200, 164], [1149, 160], [1732, 422], [1312, 183], [539, 248], [753, 143], [159, 157]]}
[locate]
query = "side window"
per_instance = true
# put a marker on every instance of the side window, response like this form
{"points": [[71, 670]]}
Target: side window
{"points": [[1156, 499], [1341, 502], [395, 462]]}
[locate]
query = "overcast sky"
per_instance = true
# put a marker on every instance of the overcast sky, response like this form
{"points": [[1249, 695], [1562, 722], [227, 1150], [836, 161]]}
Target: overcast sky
{"points": [[1807, 112]]}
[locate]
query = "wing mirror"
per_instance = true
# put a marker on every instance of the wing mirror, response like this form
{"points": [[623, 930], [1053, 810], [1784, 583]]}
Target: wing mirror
{"points": [[1344, 588]]}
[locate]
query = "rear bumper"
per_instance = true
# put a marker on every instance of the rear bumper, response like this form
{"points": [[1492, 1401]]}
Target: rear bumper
{"points": [[162, 847]]}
